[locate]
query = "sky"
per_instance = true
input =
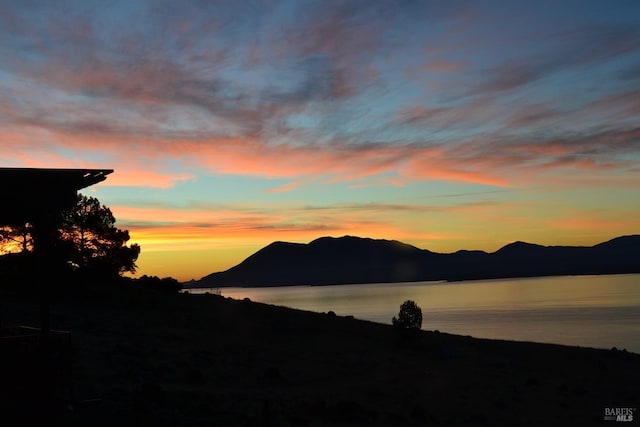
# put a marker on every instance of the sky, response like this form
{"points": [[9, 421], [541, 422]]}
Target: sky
{"points": [[232, 124]]}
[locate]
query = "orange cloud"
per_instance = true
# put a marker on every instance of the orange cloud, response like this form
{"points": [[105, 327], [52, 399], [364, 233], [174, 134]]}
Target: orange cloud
{"points": [[147, 161], [575, 227]]}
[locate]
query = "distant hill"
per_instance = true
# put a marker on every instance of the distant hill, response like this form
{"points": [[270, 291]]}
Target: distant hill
{"points": [[350, 260]]}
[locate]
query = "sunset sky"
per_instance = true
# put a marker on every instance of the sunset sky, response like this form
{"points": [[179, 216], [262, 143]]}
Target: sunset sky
{"points": [[444, 124]]}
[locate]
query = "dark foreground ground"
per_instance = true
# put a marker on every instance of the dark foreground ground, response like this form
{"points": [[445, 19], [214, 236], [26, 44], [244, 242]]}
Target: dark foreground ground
{"points": [[147, 358]]}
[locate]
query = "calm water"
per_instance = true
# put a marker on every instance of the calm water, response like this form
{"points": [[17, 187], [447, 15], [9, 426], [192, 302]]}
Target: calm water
{"points": [[589, 311]]}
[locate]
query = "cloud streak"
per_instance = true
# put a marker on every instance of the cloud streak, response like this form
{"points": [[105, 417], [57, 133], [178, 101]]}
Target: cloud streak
{"points": [[345, 98], [178, 89]]}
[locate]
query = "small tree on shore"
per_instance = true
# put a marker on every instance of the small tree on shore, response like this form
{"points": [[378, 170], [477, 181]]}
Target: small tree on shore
{"points": [[410, 316]]}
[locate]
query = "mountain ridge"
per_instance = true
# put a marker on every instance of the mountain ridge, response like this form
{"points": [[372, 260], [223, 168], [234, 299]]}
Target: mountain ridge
{"points": [[350, 260]]}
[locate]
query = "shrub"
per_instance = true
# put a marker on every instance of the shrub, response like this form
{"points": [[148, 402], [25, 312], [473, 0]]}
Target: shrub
{"points": [[410, 316], [155, 282]]}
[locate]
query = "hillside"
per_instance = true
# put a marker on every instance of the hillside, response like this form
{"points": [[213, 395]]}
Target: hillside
{"points": [[348, 260], [148, 358]]}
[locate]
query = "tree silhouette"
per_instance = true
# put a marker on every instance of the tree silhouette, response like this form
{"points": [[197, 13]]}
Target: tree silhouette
{"points": [[410, 316], [85, 241], [92, 242]]}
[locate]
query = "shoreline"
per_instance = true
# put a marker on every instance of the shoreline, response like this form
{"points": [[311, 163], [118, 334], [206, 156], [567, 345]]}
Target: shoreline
{"points": [[430, 281], [147, 357], [581, 310]]}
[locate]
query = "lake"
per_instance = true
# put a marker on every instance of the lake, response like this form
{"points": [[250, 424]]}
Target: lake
{"points": [[588, 311]]}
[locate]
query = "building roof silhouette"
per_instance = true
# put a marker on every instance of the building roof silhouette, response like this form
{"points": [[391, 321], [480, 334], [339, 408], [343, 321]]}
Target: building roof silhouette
{"points": [[29, 194]]}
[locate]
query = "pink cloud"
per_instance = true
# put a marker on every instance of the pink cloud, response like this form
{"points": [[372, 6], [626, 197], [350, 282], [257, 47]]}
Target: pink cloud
{"points": [[436, 165], [141, 162], [142, 141], [229, 131], [286, 187]]}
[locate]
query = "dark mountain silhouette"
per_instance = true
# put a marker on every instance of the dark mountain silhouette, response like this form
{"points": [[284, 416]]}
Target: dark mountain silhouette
{"points": [[349, 260]]}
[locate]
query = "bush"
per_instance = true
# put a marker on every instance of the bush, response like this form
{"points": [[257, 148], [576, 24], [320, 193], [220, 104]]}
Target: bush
{"points": [[410, 316], [155, 282]]}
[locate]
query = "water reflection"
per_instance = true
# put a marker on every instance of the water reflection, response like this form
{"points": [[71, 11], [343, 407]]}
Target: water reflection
{"points": [[592, 311]]}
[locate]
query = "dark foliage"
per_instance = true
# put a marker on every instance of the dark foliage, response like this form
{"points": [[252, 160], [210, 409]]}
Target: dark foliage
{"points": [[155, 282], [410, 316], [86, 245], [95, 246]]}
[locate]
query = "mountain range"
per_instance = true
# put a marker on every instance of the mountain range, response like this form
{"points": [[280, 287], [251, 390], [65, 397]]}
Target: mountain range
{"points": [[351, 260]]}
